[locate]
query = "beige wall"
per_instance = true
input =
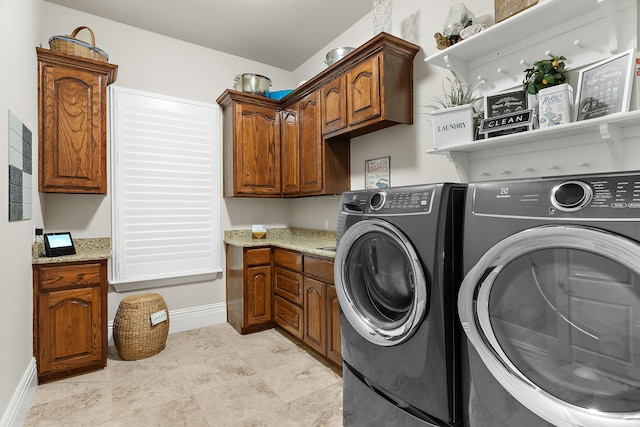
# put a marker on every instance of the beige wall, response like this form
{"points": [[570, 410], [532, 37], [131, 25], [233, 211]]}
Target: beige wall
{"points": [[19, 33]]}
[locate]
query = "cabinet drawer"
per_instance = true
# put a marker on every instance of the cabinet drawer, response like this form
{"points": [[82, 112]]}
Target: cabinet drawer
{"points": [[319, 268], [287, 259], [289, 316], [288, 284], [258, 256], [60, 276]]}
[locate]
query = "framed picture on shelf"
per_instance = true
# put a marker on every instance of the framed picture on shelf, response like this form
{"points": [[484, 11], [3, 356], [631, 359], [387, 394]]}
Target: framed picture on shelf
{"points": [[376, 173], [605, 87], [505, 103]]}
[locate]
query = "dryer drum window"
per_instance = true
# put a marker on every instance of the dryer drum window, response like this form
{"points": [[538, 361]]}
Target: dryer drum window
{"points": [[554, 313], [385, 290]]}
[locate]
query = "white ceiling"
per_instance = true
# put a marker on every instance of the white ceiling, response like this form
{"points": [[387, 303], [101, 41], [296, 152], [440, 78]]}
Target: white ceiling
{"points": [[281, 33]]}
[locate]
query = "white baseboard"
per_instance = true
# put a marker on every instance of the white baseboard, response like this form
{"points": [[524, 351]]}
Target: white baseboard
{"points": [[16, 412], [190, 318]]}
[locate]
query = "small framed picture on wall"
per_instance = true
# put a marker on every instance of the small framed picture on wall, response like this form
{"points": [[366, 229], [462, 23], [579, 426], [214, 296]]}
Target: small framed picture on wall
{"points": [[605, 87], [377, 173]]}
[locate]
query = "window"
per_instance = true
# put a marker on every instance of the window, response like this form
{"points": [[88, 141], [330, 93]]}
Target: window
{"points": [[165, 187]]}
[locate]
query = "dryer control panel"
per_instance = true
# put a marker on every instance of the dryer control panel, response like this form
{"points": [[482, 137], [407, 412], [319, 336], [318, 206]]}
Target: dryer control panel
{"points": [[602, 196]]}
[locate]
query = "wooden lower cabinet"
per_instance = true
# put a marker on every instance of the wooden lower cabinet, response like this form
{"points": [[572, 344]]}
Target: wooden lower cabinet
{"points": [[315, 315], [249, 289], [70, 318], [333, 326], [286, 288]]}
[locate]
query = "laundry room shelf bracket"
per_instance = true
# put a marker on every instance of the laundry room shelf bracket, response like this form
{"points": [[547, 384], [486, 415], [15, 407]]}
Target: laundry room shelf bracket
{"points": [[612, 135], [461, 160]]}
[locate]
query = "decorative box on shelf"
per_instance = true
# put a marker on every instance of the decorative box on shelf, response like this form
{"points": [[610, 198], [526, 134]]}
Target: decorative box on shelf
{"points": [[453, 125], [555, 105]]}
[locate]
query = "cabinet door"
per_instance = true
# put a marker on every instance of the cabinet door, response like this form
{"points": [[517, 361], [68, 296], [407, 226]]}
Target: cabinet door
{"points": [[290, 150], [315, 315], [258, 295], [334, 103], [363, 91], [72, 155], [333, 326], [69, 330], [257, 150], [311, 143]]}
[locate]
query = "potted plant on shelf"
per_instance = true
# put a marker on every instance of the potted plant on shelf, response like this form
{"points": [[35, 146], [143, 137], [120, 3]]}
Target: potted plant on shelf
{"points": [[454, 116], [548, 90]]}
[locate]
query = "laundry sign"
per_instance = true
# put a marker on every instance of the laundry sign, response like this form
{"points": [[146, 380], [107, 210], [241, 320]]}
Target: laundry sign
{"points": [[452, 126], [507, 121]]}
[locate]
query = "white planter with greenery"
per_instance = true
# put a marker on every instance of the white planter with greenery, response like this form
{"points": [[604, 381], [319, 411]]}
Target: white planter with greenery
{"points": [[452, 116], [453, 125]]}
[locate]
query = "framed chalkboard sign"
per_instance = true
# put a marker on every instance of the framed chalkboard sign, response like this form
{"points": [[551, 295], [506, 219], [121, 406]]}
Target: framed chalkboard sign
{"points": [[605, 87], [505, 103]]}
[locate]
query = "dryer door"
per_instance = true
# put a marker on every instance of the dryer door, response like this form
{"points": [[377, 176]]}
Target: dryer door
{"points": [[380, 282], [554, 313]]}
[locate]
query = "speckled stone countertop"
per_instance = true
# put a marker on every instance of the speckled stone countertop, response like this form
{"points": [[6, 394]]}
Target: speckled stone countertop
{"points": [[297, 239], [86, 250]]}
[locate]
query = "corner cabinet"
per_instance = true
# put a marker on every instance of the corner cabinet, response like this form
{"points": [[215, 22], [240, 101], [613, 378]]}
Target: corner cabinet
{"points": [[368, 90], [72, 95], [585, 31], [70, 318]]}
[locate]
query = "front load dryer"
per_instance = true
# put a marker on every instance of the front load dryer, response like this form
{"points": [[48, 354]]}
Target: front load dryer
{"points": [[397, 273], [550, 302]]}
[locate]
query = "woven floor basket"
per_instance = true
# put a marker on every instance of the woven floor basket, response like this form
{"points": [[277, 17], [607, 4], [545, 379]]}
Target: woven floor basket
{"points": [[133, 334], [73, 46]]}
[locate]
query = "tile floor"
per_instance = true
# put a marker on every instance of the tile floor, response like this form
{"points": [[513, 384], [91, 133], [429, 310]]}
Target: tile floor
{"points": [[211, 376]]}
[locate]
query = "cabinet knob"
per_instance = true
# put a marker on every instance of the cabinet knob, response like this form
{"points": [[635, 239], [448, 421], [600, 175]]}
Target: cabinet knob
{"points": [[583, 164], [554, 167], [527, 169], [577, 43], [505, 172]]}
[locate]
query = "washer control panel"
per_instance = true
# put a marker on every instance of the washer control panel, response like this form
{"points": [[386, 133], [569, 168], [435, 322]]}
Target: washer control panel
{"points": [[390, 201], [603, 196]]}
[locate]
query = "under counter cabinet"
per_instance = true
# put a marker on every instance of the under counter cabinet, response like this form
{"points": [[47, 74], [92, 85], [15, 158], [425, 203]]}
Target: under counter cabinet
{"points": [[249, 288], [321, 309], [70, 318], [251, 145], [288, 300], [72, 95]]}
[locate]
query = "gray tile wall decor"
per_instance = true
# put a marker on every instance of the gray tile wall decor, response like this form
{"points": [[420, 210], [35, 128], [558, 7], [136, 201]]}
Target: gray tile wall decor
{"points": [[20, 170]]}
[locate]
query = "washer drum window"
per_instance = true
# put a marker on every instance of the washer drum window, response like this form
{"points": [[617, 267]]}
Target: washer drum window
{"points": [[554, 313], [380, 282]]}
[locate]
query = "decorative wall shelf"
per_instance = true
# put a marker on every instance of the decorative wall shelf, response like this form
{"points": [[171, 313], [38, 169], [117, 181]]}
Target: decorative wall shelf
{"points": [[585, 31]]}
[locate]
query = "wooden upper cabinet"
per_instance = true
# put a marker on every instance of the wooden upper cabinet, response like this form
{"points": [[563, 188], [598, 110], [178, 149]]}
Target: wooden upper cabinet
{"points": [[363, 91], [72, 95], [290, 150], [311, 144], [299, 146], [251, 145], [334, 106]]}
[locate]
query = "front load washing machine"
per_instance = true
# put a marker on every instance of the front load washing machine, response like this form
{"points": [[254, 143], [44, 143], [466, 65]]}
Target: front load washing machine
{"points": [[397, 273], [550, 301]]}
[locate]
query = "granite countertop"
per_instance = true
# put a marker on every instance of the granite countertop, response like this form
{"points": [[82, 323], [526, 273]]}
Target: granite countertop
{"points": [[86, 250], [297, 239]]}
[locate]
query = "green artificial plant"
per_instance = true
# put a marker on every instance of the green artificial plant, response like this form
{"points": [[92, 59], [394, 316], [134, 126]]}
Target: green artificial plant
{"points": [[545, 73], [458, 93]]}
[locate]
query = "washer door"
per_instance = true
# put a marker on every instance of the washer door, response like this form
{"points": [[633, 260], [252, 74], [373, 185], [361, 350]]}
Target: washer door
{"points": [[380, 282], [554, 313]]}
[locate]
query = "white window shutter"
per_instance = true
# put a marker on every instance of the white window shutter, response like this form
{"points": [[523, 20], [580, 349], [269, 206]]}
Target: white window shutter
{"points": [[165, 187]]}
